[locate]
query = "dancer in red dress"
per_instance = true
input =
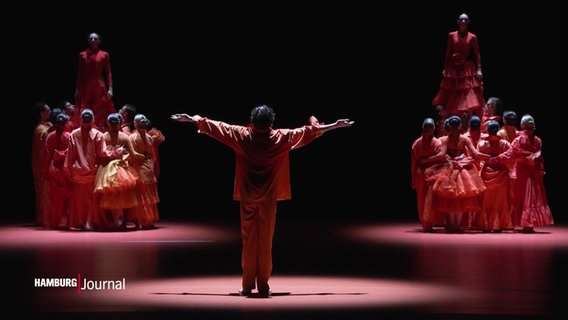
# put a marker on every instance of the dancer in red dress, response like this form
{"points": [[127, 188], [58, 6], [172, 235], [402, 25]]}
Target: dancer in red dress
{"points": [[457, 185], [424, 147], [530, 206], [461, 89]]}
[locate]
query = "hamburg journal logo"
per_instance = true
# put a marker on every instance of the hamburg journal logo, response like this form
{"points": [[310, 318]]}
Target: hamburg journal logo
{"points": [[81, 284]]}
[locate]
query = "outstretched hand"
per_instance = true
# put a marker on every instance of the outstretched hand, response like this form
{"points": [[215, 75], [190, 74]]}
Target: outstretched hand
{"points": [[344, 123], [341, 123], [184, 117]]}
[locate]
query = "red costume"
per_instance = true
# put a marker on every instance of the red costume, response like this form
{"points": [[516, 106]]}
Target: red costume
{"points": [[262, 177], [461, 90], [86, 148], [94, 78], [422, 148], [530, 206], [59, 189], [496, 206]]}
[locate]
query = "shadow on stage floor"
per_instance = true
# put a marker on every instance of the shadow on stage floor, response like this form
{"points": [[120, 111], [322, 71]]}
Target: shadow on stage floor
{"points": [[322, 270]]}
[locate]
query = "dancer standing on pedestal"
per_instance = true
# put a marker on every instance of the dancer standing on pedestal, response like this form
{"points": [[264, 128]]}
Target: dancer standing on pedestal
{"points": [[461, 89], [94, 83]]}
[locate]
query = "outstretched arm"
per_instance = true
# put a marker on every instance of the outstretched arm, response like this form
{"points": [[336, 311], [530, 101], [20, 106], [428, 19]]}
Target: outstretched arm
{"points": [[327, 127], [184, 117]]}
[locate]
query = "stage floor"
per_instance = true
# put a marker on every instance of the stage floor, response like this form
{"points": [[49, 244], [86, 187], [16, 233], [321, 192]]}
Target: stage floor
{"points": [[322, 270]]}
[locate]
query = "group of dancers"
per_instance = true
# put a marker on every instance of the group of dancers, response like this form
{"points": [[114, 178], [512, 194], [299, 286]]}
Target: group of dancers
{"points": [[95, 168], [473, 169]]}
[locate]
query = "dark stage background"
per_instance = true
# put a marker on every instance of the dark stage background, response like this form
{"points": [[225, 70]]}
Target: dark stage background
{"points": [[378, 65]]}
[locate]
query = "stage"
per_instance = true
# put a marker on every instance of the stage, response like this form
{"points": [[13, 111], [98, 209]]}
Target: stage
{"points": [[322, 270]]}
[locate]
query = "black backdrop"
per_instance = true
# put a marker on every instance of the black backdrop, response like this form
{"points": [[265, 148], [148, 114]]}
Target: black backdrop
{"points": [[379, 66]]}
